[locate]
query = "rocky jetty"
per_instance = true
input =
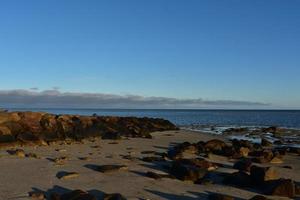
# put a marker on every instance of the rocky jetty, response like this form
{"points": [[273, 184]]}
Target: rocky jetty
{"points": [[42, 128]]}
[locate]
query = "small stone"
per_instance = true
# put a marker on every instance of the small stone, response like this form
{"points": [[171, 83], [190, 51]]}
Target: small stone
{"points": [[68, 175]]}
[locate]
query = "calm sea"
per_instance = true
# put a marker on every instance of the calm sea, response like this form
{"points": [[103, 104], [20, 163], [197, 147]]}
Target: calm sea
{"points": [[194, 118]]}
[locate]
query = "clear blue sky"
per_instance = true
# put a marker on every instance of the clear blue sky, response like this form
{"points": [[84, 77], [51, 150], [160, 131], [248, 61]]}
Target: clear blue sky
{"points": [[216, 50]]}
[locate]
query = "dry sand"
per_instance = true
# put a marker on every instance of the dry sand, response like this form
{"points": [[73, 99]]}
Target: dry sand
{"points": [[18, 176]]}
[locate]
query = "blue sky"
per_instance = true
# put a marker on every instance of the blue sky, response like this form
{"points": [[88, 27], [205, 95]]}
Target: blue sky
{"points": [[213, 50]]}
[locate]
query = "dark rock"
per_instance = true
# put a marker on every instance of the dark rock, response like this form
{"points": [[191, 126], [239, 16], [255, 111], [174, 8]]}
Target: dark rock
{"points": [[77, 195], [271, 129], [152, 159], [280, 187], [261, 174], [115, 196], [263, 156], [259, 197], [111, 136], [186, 172], [243, 165], [200, 163], [239, 179], [216, 196]]}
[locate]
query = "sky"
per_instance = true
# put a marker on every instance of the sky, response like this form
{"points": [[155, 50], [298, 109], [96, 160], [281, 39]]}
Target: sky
{"points": [[158, 53]]}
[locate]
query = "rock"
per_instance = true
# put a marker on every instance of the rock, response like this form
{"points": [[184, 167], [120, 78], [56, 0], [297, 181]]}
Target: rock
{"points": [[266, 143], [111, 168], [60, 160], [32, 155], [37, 195], [18, 152], [112, 136], [239, 179], [244, 151], [271, 129], [276, 160], [84, 158], [152, 159], [264, 157], [237, 144], [157, 176], [216, 196], [148, 152], [200, 163], [77, 195], [280, 187], [115, 196], [67, 175], [243, 165], [261, 174], [35, 127], [186, 172], [214, 145], [177, 151], [259, 197]]}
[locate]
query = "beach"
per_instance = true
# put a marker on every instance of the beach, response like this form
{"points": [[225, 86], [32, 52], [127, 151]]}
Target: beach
{"points": [[40, 173]]}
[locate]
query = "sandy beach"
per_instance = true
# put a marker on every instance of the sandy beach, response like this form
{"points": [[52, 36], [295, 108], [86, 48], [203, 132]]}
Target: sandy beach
{"points": [[19, 176]]}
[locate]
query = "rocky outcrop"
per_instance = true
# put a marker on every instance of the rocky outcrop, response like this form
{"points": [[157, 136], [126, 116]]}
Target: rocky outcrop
{"points": [[38, 126]]}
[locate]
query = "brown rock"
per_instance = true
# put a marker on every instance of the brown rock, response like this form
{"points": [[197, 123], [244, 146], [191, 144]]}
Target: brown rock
{"points": [[244, 151], [214, 145]]}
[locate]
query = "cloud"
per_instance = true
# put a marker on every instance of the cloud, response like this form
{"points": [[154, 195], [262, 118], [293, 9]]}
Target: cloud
{"points": [[56, 99]]}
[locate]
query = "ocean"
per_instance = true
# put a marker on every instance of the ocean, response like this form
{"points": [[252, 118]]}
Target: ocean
{"points": [[196, 119]]}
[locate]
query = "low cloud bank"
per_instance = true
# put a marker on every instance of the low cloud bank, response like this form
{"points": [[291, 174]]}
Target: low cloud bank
{"points": [[57, 99]]}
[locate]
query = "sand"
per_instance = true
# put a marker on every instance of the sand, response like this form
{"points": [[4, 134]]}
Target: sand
{"points": [[22, 175]]}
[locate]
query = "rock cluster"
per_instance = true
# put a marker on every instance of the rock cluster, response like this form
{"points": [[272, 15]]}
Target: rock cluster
{"points": [[263, 179], [39, 127]]}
